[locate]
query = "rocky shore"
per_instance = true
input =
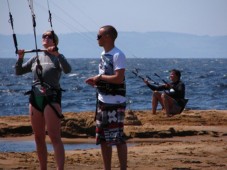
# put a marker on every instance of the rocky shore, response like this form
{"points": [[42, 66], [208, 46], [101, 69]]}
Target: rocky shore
{"points": [[195, 139]]}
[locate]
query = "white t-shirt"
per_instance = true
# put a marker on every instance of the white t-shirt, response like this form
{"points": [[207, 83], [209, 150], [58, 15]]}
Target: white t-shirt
{"points": [[119, 62]]}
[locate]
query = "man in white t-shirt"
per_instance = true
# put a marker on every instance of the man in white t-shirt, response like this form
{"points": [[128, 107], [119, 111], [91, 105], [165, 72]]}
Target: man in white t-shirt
{"points": [[111, 89]]}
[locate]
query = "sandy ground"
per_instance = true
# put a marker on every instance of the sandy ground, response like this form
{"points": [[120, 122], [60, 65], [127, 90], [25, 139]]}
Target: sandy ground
{"points": [[193, 140]]}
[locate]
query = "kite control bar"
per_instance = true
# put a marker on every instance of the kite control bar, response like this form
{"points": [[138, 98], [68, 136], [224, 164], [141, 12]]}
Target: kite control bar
{"points": [[136, 72], [160, 78], [34, 51]]}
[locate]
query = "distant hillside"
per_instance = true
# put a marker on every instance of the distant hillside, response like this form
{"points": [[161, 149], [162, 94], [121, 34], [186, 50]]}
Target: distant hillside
{"points": [[134, 44]]}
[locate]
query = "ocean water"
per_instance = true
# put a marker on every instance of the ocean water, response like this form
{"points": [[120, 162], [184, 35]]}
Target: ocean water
{"points": [[7, 145], [205, 80]]}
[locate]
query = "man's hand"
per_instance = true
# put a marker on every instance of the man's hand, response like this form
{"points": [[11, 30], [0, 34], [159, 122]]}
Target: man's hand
{"points": [[168, 86], [145, 81], [93, 80]]}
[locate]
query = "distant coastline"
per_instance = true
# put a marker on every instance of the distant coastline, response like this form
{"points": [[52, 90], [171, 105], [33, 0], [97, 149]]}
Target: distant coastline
{"points": [[134, 44]]}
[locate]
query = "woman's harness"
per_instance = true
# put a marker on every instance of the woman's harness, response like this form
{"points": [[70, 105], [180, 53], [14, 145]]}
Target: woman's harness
{"points": [[43, 89]]}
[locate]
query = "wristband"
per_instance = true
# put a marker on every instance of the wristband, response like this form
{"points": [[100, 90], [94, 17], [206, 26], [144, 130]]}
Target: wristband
{"points": [[100, 76]]}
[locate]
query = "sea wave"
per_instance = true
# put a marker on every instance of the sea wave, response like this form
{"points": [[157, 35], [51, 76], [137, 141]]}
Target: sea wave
{"points": [[205, 81]]}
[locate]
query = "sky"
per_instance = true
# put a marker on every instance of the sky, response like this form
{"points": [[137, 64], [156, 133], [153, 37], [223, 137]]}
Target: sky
{"points": [[199, 17]]}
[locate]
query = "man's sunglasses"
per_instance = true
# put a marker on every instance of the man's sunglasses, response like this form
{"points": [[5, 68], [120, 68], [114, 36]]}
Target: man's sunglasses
{"points": [[99, 37]]}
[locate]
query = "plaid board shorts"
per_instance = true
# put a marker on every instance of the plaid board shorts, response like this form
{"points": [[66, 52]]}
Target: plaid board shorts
{"points": [[110, 123]]}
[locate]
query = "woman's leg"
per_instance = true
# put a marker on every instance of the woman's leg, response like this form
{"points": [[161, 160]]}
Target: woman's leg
{"points": [[38, 126], [53, 124]]}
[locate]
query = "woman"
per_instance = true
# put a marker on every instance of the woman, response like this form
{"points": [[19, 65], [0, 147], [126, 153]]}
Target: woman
{"points": [[45, 97]]}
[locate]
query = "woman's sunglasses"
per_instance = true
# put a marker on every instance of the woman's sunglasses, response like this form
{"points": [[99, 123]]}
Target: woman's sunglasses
{"points": [[47, 36]]}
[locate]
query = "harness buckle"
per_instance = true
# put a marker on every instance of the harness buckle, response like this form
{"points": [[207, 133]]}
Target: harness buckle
{"points": [[108, 88], [43, 90]]}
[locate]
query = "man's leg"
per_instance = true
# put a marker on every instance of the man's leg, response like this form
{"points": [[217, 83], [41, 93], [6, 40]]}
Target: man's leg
{"points": [[167, 103], [122, 155], [156, 97], [170, 105], [106, 155]]}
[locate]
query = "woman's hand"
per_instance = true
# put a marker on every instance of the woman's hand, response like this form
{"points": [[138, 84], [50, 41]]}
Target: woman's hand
{"points": [[20, 53], [52, 50]]}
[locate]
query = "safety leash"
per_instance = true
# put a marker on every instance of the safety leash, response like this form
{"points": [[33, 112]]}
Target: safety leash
{"points": [[11, 23], [52, 31], [39, 69]]}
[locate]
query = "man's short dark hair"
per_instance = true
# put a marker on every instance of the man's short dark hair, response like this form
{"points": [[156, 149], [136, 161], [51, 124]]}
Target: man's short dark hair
{"points": [[111, 31], [177, 72]]}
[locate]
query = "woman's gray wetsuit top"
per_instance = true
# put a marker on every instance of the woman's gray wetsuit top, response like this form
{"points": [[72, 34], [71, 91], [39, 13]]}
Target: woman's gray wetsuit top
{"points": [[52, 67]]}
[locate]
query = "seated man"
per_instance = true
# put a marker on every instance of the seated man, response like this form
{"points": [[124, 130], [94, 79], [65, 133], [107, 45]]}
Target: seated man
{"points": [[172, 98]]}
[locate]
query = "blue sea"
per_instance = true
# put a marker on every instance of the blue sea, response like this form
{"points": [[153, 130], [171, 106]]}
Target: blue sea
{"points": [[205, 80], [7, 145]]}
